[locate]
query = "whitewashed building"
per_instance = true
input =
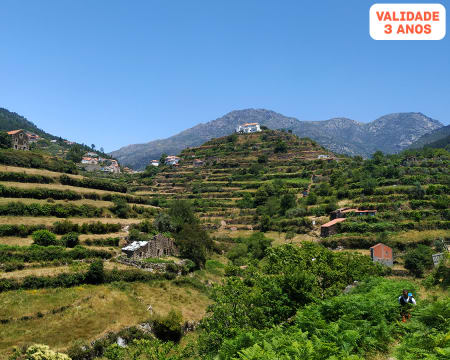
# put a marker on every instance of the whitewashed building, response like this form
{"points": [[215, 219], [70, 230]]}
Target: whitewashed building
{"points": [[248, 128]]}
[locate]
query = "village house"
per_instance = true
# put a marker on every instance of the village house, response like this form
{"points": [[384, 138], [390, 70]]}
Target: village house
{"points": [[112, 167], [154, 163], [323, 156], [330, 228], [172, 160], [198, 162], [158, 246], [89, 161], [32, 138], [382, 253], [343, 212], [19, 140], [248, 128]]}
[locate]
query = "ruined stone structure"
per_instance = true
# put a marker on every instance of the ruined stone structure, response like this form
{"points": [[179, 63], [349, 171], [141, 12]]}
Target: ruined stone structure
{"points": [[158, 246], [19, 140]]}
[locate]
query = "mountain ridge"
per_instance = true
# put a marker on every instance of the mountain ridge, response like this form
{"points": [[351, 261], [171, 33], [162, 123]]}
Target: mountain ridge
{"points": [[390, 133]]}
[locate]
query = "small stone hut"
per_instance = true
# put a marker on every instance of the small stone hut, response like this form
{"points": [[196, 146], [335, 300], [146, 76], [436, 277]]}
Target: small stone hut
{"points": [[158, 246]]}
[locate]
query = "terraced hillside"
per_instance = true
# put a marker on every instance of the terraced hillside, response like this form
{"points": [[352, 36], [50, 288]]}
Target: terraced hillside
{"points": [[263, 198], [219, 175], [54, 226], [273, 181]]}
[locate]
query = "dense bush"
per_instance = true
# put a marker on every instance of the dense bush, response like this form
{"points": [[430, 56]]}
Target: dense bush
{"points": [[93, 183], [26, 178], [70, 240], [31, 159], [37, 253], [419, 259], [96, 274], [44, 238], [58, 210], [39, 193], [168, 328], [66, 226]]}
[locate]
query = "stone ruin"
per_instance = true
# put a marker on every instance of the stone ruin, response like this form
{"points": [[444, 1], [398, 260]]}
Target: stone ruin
{"points": [[158, 246]]}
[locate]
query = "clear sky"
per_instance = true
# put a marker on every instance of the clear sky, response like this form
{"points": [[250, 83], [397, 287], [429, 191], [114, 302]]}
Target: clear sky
{"points": [[119, 72]]}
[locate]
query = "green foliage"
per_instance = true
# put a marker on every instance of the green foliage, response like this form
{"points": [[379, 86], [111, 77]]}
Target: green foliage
{"points": [[5, 140], [343, 327], [93, 183], [250, 248], [44, 238], [31, 159], [75, 153], [193, 243], [38, 352], [427, 334], [418, 260], [168, 328], [26, 178], [70, 240], [96, 274], [121, 208], [280, 147], [290, 277]]}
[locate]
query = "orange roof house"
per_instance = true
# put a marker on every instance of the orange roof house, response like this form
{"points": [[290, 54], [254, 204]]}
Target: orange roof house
{"points": [[330, 227], [382, 253]]}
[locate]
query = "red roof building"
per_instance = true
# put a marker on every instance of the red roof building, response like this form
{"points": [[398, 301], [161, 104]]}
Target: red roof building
{"points": [[330, 227], [382, 253]]}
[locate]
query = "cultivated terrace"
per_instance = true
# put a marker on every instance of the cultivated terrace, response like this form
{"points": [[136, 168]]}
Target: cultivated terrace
{"points": [[259, 272]]}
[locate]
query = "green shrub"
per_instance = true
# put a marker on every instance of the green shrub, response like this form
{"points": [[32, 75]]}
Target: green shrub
{"points": [[168, 328], [418, 260], [96, 274], [70, 240], [44, 238]]}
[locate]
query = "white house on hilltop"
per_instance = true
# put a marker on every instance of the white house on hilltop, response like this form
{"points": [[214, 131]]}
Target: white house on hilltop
{"points": [[248, 128]]}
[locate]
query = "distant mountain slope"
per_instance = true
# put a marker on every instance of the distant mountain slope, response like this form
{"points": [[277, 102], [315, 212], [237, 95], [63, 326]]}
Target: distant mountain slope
{"points": [[390, 133], [434, 138], [12, 121]]}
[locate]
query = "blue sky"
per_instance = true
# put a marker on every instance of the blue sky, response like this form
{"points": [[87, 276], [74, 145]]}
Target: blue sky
{"points": [[119, 72]]}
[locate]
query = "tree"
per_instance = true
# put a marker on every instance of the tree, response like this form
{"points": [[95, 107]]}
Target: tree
{"points": [[70, 240], [181, 213], [193, 243], [5, 140], [96, 273], [280, 147], [162, 159], [265, 223], [44, 238], [102, 150], [75, 153], [262, 159], [419, 259], [93, 146], [287, 202]]}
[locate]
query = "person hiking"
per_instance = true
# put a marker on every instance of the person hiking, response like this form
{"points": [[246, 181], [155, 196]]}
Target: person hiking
{"points": [[406, 300]]}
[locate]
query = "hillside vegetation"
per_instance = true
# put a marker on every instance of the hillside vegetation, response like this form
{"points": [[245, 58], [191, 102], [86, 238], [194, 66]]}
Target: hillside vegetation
{"points": [[258, 280]]}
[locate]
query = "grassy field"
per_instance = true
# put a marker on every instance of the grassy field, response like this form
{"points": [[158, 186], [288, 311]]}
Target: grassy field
{"points": [[96, 203], [92, 311], [56, 187], [31, 171]]}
